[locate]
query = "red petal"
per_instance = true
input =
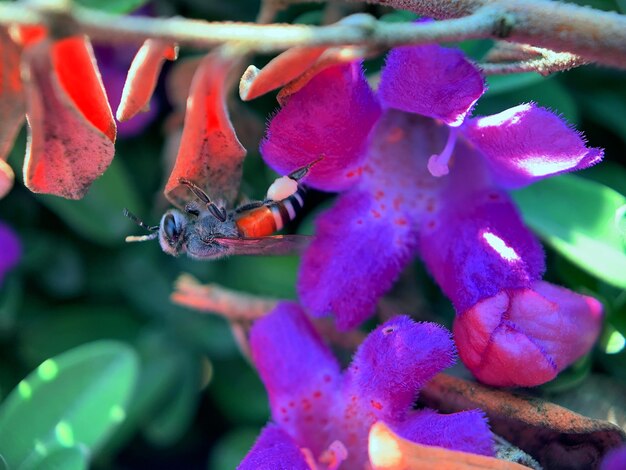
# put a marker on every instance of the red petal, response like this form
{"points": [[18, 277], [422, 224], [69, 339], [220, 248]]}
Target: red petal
{"points": [[6, 178], [65, 152], [142, 77], [12, 105], [179, 80], [77, 72], [388, 451], [210, 154], [278, 72], [29, 35]]}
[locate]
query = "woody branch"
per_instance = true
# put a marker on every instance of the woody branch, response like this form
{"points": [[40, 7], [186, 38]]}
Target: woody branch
{"points": [[590, 34]]}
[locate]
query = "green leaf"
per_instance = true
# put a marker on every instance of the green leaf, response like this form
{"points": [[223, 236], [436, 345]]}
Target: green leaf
{"points": [[230, 450], [78, 397], [498, 84], [606, 108], [581, 219], [174, 418], [98, 216], [113, 6], [65, 458]]}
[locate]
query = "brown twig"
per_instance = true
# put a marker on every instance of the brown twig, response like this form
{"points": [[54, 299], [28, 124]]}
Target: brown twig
{"points": [[546, 63], [233, 305], [594, 35]]}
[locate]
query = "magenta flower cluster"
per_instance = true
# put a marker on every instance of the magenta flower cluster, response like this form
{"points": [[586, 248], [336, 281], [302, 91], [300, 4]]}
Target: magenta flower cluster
{"points": [[322, 415], [418, 176]]}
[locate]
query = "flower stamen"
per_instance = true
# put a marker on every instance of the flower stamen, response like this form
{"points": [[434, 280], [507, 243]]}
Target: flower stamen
{"points": [[438, 164]]}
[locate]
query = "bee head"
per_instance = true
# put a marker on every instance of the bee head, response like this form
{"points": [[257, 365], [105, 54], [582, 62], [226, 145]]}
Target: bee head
{"points": [[172, 232]]}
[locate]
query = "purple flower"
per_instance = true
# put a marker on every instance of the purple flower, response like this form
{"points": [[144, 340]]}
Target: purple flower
{"points": [[420, 177], [323, 415], [10, 250], [614, 460]]}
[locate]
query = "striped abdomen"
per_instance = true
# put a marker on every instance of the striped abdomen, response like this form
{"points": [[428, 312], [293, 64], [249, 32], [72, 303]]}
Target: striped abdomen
{"points": [[270, 217]]}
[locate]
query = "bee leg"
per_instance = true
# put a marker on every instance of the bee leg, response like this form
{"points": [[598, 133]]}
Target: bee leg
{"points": [[250, 205], [300, 173]]}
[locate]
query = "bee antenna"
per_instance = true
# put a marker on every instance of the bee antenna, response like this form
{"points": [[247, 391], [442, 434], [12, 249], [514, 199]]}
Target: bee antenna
{"points": [[140, 222], [141, 238], [300, 173]]}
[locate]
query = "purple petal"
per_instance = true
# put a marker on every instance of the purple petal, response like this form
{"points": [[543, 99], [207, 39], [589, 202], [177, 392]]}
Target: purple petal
{"points": [[363, 243], [432, 81], [527, 143], [299, 372], [480, 246], [10, 250], [274, 450], [524, 337], [330, 117], [394, 362], [615, 460], [466, 431], [356, 255]]}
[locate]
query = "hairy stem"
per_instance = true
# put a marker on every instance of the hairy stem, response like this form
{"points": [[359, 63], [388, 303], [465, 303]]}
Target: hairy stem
{"points": [[594, 35]]}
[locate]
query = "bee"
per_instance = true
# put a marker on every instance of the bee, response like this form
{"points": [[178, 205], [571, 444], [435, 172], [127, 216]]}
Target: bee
{"points": [[206, 231]]}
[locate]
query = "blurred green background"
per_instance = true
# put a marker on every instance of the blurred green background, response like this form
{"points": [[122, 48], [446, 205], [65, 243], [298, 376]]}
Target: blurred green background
{"points": [[144, 383]]}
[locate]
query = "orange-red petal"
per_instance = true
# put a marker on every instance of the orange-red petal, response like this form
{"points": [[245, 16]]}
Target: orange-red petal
{"points": [[77, 73], [70, 141], [210, 154], [278, 72], [388, 451], [142, 77], [12, 105]]}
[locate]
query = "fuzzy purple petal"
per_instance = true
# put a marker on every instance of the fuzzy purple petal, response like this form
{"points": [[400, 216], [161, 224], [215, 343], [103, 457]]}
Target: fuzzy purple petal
{"points": [[394, 362], [357, 254], [10, 250], [524, 337], [615, 460], [299, 372], [331, 117], [432, 81], [527, 143], [479, 247], [363, 243], [466, 431], [274, 450]]}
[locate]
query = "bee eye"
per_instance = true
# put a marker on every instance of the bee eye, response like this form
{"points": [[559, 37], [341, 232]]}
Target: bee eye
{"points": [[169, 226]]}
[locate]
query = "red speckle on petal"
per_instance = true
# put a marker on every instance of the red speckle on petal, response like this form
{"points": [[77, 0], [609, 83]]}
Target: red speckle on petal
{"points": [[327, 378], [401, 221], [377, 405], [317, 394], [376, 214], [379, 195], [283, 409], [292, 404], [306, 404]]}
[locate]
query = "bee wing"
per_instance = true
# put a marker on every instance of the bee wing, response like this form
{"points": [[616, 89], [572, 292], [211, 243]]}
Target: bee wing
{"points": [[273, 245]]}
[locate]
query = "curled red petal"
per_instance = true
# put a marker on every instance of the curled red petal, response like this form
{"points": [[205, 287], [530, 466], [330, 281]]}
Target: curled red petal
{"points": [[142, 77], [77, 74], [525, 337], [12, 105], [66, 151], [278, 72], [210, 154]]}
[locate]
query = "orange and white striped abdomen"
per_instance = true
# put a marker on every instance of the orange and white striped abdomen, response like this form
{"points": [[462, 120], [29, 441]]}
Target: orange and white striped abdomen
{"points": [[270, 217]]}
